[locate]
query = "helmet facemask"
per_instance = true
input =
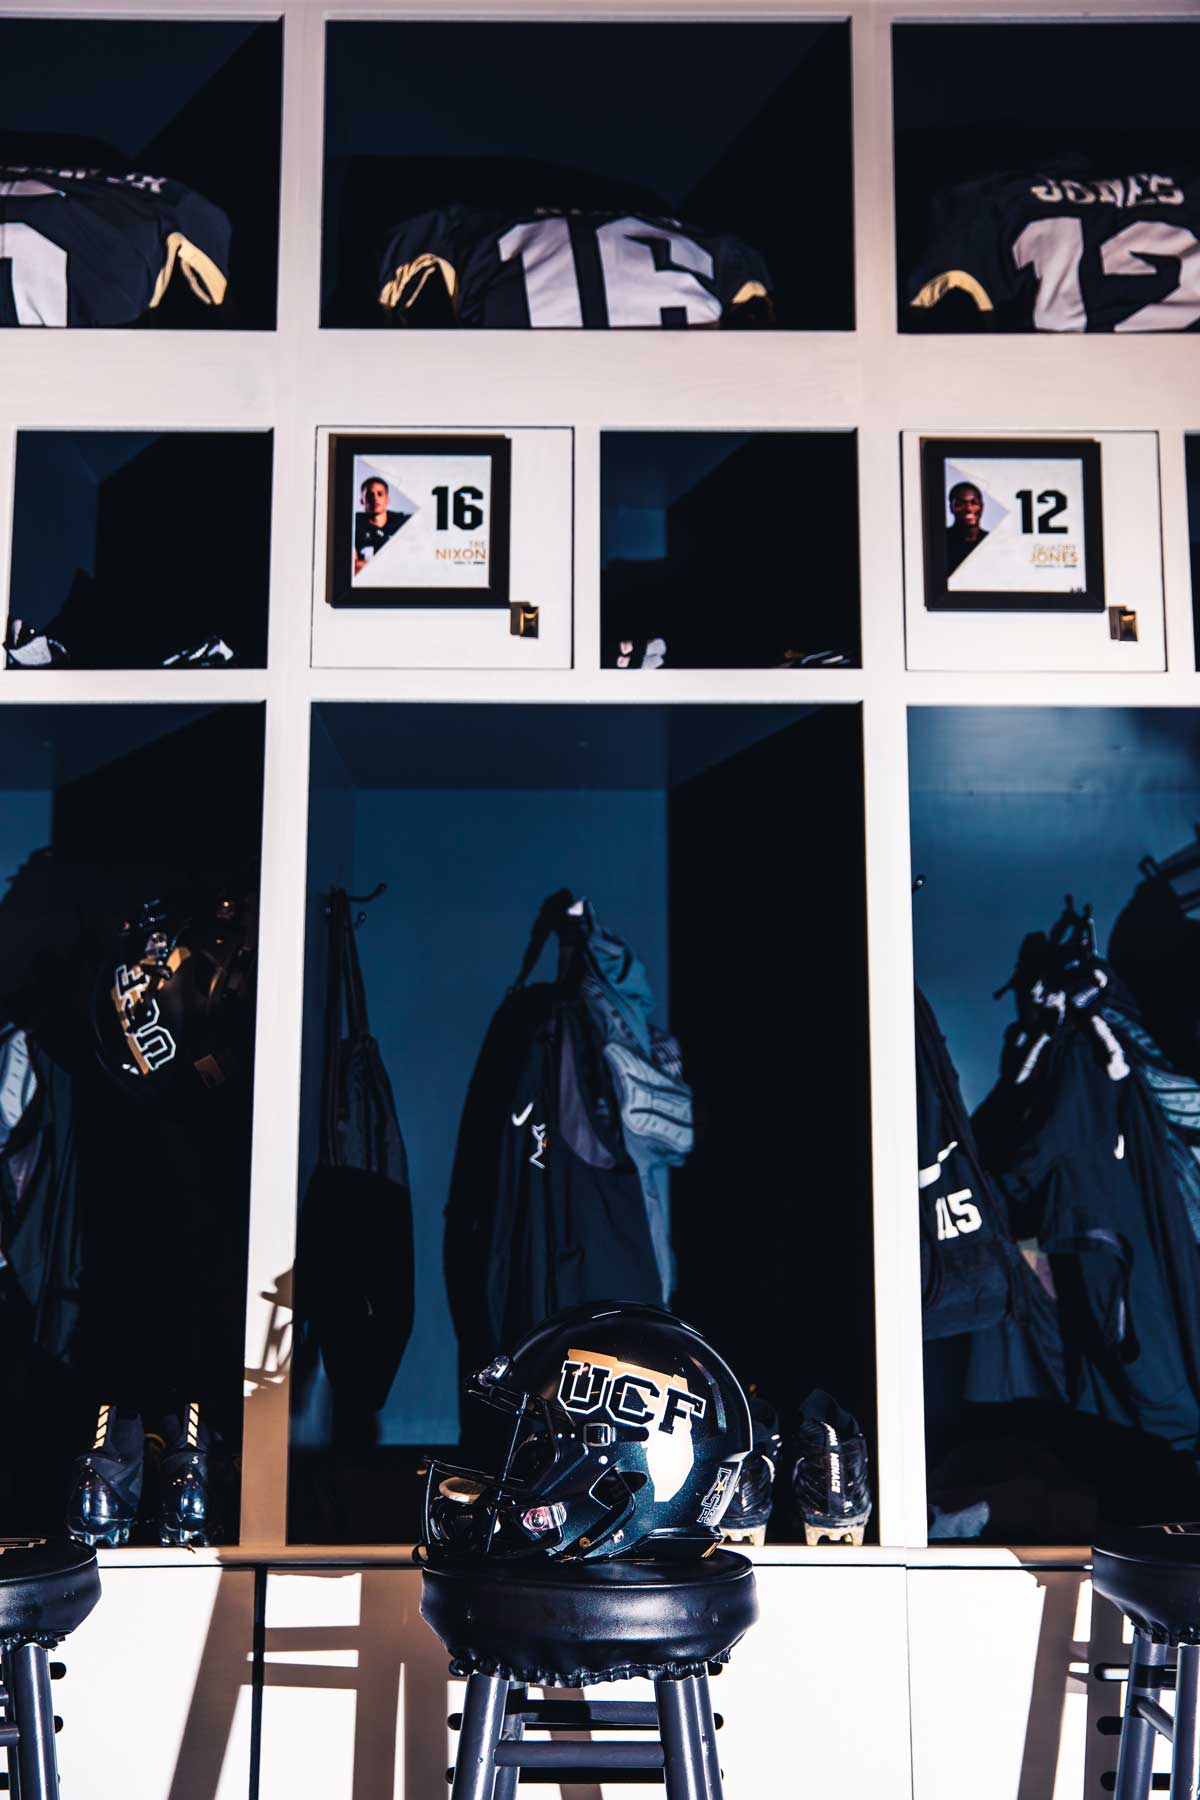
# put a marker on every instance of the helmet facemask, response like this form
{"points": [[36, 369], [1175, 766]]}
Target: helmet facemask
{"points": [[556, 1492]]}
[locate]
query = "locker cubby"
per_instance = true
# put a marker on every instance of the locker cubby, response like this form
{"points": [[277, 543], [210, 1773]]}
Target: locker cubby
{"points": [[710, 113], [698, 549], [123, 1215], [975, 100], [678, 823], [1013, 808], [109, 568], [195, 101]]}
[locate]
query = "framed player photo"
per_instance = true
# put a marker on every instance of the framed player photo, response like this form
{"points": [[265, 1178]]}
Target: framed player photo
{"points": [[1012, 525], [418, 521]]}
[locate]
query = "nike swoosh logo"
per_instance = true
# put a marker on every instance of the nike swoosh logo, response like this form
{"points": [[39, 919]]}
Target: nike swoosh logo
{"points": [[524, 1115]]}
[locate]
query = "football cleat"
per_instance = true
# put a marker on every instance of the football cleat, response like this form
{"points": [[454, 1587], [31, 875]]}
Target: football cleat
{"points": [[29, 648], [184, 1511], [108, 1482], [830, 1483], [210, 653], [747, 1514]]}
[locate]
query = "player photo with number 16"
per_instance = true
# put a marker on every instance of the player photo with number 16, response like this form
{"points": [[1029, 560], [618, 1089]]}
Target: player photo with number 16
{"points": [[419, 521]]}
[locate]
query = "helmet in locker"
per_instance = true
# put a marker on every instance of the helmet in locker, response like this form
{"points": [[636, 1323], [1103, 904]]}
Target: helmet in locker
{"points": [[623, 1433], [172, 1003]]}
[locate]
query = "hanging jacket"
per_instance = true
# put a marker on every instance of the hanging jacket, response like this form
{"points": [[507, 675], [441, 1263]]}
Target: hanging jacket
{"points": [[547, 1205], [355, 1251], [1176, 1094], [40, 1223], [646, 1069], [1080, 1148]]}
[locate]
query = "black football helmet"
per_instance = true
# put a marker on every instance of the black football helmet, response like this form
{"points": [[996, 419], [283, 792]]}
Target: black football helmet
{"points": [[623, 1434], [172, 1003]]}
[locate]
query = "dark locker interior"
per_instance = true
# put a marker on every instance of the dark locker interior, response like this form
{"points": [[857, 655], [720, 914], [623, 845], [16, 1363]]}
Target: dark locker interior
{"points": [[197, 101], [125, 1252], [737, 549], [711, 115], [133, 547], [724, 845], [1013, 809], [978, 100]]}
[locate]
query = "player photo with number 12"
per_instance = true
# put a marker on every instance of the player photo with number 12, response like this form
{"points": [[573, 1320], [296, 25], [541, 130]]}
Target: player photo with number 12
{"points": [[419, 521], [1012, 526]]}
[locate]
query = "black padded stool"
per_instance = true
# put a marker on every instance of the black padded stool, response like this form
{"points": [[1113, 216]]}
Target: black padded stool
{"points": [[570, 1625], [47, 1588], [1153, 1575]]}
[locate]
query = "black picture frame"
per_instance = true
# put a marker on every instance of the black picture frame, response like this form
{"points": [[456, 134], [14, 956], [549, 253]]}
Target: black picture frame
{"points": [[344, 448], [936, 452]]}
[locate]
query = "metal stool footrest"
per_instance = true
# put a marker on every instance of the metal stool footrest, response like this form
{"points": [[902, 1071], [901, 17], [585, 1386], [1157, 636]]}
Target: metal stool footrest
{"points": [[584, 1776], [563, 1757], [494, 1753]]}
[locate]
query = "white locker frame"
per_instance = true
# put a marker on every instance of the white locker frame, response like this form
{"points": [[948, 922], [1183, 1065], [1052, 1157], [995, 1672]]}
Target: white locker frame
{"points": [[871, 380]]}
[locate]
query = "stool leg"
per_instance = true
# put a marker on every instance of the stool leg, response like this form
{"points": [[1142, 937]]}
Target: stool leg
{"points": [[483, 1721], [28, 1683], [1185, 1742], [10, 1718], [679, 1725], [1135, 1759], [514, 1728], [708, 1731]]}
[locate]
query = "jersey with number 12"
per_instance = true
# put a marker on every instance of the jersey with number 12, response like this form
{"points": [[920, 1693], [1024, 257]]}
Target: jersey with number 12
{"points": [[1058, 252]]}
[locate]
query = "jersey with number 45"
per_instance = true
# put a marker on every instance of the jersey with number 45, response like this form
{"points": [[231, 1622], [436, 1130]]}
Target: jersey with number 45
{"points": [[80, 247], [1070, 253], [461, 266]]}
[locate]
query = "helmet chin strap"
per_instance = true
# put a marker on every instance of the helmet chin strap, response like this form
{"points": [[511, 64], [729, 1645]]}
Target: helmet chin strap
{"points": [[612, 1527]]}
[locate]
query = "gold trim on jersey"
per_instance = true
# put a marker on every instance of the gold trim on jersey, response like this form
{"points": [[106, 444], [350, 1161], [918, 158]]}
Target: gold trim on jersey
{"points": [[201, 272], [943, 284], [416, 275]]}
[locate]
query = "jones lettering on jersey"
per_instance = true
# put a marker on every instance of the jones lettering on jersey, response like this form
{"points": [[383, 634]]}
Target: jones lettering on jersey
{"points": [[1122, 190], [592, 1383]]}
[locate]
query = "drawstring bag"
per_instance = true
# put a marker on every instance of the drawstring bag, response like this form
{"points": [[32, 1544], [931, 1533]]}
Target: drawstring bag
{"points": [[356, 1233]]}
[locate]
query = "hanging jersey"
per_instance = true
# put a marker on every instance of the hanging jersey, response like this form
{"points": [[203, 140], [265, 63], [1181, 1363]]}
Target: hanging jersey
{"points": [[1070, 253], [966, 1276], [79, 247], [40, 1219], [460, 266], [1081, 1152]]}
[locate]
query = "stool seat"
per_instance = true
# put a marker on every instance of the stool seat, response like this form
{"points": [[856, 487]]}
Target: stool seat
{"points": [[1152, 1573], [47, 1587], [570, 1624]]}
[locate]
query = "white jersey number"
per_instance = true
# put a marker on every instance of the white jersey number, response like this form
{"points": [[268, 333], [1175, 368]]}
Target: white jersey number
{"points": [[39, 275], [956, 1214], [1053, 248], [636, 288]]}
